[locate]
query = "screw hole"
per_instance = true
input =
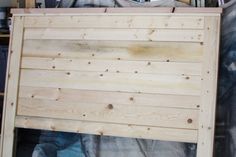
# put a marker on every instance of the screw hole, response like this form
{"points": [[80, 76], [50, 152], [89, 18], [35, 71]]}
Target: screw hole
{"points": [[110, 106], [190, 121]]}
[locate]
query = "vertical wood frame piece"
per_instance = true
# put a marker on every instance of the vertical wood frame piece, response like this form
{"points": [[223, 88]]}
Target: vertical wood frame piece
{"points": [[29, 3], [132, 72], [12, 80], [209, 87]]}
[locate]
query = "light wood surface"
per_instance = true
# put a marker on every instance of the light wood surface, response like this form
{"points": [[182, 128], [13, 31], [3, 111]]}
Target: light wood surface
{"points": [[102, 97], [30, 3], [157, 10], [113, 66], [209, 88], [116, 21], [12, 88], [109, 113], [148, 132], [123, 82], [114, 50], [116, 72], [115, 34]]}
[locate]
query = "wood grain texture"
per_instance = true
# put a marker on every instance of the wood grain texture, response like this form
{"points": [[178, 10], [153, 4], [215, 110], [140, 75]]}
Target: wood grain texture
{"points": [[154, 10], [114, 71], [108, 129], [115, 21], [12, 88], [209, 88], [115, 34], [5, 93], [114, 50], [124, 82], [93, 65], [111, 113], [102, 97]]}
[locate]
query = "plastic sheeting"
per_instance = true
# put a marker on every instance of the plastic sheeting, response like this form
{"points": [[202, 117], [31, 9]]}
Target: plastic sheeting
{"points": [[3, 65], [59, 144], [227, 77], [120, 3]]}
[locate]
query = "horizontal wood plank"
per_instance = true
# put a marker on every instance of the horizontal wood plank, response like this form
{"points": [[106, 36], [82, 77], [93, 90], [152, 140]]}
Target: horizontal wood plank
{"points": [[112, 113], [124, 50], [115, 34], [108, 129], [111, 66], [101, 97], [124, 82], [115, 21], [121, 11]]}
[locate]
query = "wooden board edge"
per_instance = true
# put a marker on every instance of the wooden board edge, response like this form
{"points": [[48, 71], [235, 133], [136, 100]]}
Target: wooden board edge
{"points": [[7, 140], [108, 129], [209, 88], [6, 85], [182, 10]]}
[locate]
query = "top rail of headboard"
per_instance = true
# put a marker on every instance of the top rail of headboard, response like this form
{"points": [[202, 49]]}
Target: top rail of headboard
{"points": [[163, 10]]}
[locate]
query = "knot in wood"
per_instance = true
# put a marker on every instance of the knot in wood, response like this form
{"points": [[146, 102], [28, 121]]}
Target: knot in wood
{"points": [[110, 106]]}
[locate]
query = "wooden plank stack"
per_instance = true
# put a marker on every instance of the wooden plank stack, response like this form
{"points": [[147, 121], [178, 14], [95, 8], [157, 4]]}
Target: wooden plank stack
{"points": [[122, 72]]}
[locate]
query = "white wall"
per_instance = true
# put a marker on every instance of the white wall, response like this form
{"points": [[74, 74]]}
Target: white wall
{"points": [[8, 3]]}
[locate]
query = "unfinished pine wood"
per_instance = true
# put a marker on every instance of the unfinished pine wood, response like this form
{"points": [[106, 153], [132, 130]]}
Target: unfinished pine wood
{"points": [[186, 11], [30, 3], [115, 21], [115, 34], [94, 65], [109, 129], [10, 103], [110, 50], [124, 82], [110, 113], [209, 87], [115, 71], [102, 97]]}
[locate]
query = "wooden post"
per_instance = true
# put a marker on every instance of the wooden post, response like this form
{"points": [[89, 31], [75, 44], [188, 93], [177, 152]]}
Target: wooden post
{"points": [[7, 140], [209, 87], [29, 3]]}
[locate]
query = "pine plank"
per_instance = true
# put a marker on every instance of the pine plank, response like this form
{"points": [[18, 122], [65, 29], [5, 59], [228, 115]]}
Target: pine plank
{"points": [[111, 113], [209, 88], [94, 65], [100, 97], [108, 129], [120, 11], [115, 21], [125, 50], [10, 103], [124, 82], [115, 34]]}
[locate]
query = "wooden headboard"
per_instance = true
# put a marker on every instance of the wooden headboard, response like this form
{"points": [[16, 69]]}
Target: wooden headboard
{"points": [[142, 73]]}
